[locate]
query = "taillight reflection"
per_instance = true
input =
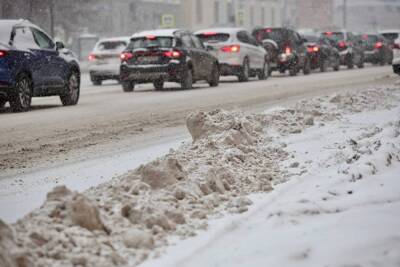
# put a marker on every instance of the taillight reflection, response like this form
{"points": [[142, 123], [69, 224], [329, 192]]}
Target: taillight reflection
{"points": [[231, 49]]}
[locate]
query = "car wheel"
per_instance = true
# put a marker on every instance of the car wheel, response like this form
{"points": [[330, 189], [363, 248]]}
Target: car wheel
{"points": [[360, 64], [307, 67], [350, 62], [187, 79], [214, 76], [72, 90], [382, 62], [159, 84], [322, 65], [293, 70], [336, 67], [97, 82], [265, 72], [244, 71], [21, 100], [128, 86], [2, 103]]}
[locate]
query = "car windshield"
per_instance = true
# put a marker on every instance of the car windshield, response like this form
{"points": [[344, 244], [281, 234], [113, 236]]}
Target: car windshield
{"points": [[391, 36], [150, 42], [5, 34], [213, 37], [111, 46], [334, 35]]}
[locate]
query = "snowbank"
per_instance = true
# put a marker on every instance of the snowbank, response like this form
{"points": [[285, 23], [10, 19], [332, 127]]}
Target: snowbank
{"points": [[232, 156]]}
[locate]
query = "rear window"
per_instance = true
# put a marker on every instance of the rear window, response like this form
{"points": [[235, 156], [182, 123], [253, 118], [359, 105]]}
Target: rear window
{"points": [[370, 39], [312, 39], [334, 35], [111, 46], [5, 34], [213, 37], [391, 36], [151, 42], [277, 35]]}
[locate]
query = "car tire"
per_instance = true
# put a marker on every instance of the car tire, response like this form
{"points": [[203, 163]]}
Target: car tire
{"points": [[187, 79], [350, 62], [214, 76], [128, 86], [265, 72], [293, 70], [96, 81], [244, 71], [360, 64], [322, 65], [72, 90], [159, 84], [21, 100], [307, 67], [2, 103], [336, 67]]}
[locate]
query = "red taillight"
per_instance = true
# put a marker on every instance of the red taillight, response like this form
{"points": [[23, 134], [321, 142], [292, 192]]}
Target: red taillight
{"points": [[328, 33], [151, 37], [92, 57], [396, 46], [231, 49], [126, 56], [288, 51], [3, 53], [268, 30], [173, 54], [342, 44], [209, 33], [378, 45], [313, 49]]}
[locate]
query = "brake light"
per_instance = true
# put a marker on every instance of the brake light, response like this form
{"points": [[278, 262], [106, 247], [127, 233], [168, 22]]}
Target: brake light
{"points": [[173, 54], [328, 33], [313, 49], [378, 45], [150, 37], [342, 44], [126, 56], [396, 46], [209, 33], [92, 57], [365, 37], [3, 53], [231, 48], [288, 51], [268, 30]]}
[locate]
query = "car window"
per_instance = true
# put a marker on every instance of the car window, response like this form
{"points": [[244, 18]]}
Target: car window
{"points": [[187, 41], [42, 40], [150, 42], [243, 37], [197, 43], [23, 38], [5, 34], [251, 39], [211, 37], [111, 46]]}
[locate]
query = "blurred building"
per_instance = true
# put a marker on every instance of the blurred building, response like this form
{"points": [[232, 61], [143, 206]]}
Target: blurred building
{"points": [[367, 15], [197, 14]]}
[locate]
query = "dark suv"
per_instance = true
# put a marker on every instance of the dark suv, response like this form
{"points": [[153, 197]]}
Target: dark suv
{"points": [[377, 49], [167, 56], [286, 49], [323, 53], [350, 48], [31, 64]]}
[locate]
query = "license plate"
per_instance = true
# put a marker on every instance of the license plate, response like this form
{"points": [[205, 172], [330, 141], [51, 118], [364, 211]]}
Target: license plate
{"points": [[148, 59]]}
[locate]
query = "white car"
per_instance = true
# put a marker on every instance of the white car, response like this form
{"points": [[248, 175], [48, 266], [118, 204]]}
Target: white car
{"points": [[104, 61], [396, 56], [237, 51]]}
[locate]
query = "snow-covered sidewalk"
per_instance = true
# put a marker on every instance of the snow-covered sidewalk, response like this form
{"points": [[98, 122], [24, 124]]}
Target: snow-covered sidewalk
{"points": [[344, 210]]}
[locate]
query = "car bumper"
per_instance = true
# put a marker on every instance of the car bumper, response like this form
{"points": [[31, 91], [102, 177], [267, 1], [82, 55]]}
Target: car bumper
{"points": [[150, 73], [227, 69], [372, 56], [109, 70], [285, 61]]}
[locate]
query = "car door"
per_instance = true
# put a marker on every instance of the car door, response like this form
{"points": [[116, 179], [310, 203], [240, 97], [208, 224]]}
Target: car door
{"points": [[300, 48], [206, 60], [188, 46], [246, 48], [258, 52], [29, 59], [56, 66]]}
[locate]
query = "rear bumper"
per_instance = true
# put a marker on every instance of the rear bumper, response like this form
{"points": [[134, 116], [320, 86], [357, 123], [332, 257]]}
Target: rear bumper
{"points": [[372, 56], [149, 73], [227, 69]]}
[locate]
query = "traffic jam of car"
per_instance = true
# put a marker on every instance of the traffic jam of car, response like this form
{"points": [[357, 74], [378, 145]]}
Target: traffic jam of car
{"points": [[34, 65]]}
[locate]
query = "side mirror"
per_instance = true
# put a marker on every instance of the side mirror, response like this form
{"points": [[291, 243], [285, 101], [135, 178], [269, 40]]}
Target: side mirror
{"points": [[60, 45]]}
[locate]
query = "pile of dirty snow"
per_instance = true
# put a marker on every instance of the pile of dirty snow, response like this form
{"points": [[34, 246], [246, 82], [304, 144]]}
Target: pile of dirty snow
{"points": [[134, 216]]}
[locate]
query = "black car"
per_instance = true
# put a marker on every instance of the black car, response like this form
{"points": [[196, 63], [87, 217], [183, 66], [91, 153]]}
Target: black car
{"points": [[286, 49], [350, 48], [322, 52], [167, 56], [31, 65], [377, 49]]}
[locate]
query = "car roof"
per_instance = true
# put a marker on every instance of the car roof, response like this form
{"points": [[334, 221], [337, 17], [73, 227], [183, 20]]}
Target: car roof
{"points": [[390, 31], [16, 22], [115, 39], [160, 32], [221, 30]]}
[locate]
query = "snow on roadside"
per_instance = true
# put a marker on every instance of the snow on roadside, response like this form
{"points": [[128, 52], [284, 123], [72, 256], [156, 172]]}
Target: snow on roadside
{"points": [[233, 155]]}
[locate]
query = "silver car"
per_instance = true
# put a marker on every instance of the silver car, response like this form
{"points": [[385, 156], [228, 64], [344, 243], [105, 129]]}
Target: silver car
{"points": [[104, 61], [237, 51]]}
